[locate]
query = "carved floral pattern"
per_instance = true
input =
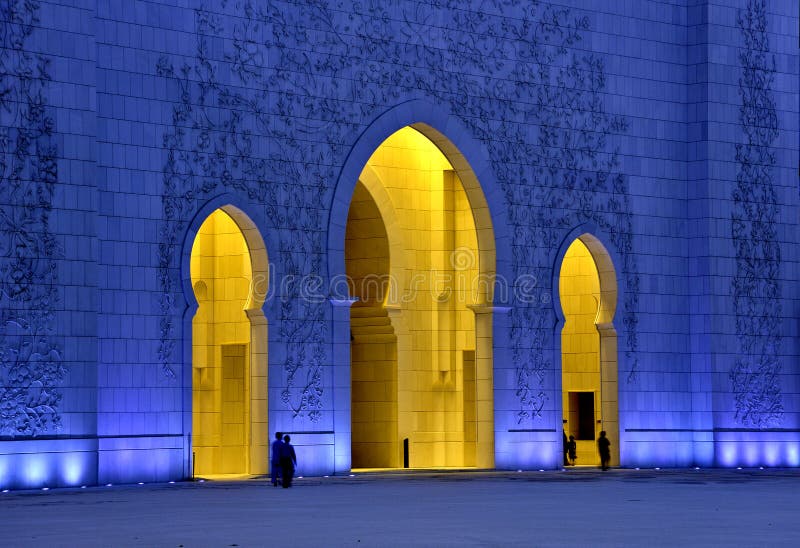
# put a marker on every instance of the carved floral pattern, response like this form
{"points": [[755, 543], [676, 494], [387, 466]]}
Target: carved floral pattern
{"points": [[218, 142], [334, 66], [756, 286], [30, 362]]}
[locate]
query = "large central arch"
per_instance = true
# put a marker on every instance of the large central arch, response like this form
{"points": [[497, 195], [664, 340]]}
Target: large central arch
{"points": [[452, 138]]}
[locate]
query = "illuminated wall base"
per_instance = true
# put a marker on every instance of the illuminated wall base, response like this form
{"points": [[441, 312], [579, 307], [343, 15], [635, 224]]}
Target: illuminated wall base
{"points": [[315, 454], [663, 449], [142, 459], [522, 450], [33, 464], [727, 450], [74, 463], [528, 450], [770, 449]]}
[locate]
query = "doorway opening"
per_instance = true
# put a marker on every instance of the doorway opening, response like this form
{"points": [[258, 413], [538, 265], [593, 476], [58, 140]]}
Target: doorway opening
{"points": [[581, 415], [229, 336], [588, 296], [421, 347]]}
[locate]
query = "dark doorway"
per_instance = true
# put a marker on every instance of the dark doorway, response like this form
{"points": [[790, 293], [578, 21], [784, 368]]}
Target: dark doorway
{"points": [[581, 415]]}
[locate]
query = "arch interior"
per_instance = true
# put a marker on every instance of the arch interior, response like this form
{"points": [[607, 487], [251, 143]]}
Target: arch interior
{"points": [[412, 256], [587, 293], [229, 410]]}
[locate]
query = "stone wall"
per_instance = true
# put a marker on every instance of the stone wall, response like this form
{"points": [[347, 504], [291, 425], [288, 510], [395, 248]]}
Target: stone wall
{"points": [[667, 129]]}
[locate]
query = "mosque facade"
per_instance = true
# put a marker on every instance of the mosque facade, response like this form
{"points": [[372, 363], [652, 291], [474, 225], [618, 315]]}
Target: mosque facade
{"points": [[408, 233]]}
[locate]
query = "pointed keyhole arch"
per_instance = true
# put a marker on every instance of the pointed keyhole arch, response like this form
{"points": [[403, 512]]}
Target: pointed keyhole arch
{"points": [[587, 289], [229, 279]]}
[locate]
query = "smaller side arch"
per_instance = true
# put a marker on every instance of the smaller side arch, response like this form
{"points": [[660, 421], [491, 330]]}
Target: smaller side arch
{"points": [[250, 223], [604, 257]]}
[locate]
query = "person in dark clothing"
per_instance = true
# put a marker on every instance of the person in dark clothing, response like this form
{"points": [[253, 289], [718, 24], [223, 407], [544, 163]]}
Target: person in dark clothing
{"points": [[565, 447], [276, 457], [572, 446], [288, 461], [604, 448]]}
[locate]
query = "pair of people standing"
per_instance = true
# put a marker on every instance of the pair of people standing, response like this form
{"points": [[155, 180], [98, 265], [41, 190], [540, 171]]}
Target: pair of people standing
{"points": [[284, 460], [603, 447]]}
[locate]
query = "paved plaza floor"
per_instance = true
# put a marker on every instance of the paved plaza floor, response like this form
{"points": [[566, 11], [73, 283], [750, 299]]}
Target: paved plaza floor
{"points": [[579, 507]]}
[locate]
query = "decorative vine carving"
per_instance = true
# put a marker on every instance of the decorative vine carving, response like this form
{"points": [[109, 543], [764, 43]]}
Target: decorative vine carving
{"points": [[208, 147], [514, 81], [30, 362], [218, 140], [756, 287]]}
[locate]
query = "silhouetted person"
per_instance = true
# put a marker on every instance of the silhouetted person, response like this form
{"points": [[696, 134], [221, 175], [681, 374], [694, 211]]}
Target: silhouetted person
{"points": [[565, 448], [288, 461], [604, 448], [276, 457], [572, 447]]}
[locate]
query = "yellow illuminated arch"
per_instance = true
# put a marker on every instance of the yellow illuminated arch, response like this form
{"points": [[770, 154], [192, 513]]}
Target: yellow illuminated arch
{"points": [[431, 342], [229, 273], [588, 296]]}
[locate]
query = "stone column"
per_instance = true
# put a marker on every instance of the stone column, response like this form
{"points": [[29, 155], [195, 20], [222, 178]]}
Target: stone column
{"points": [[485, 356]]}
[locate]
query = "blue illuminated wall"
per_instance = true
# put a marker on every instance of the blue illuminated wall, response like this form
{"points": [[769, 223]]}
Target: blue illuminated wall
{"points": [[48, 246], [668, 129]]}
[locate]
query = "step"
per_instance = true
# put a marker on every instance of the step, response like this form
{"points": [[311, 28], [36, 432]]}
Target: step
{"points": [[367, 311], [373, 339], [371, 329], [372, 320]]}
